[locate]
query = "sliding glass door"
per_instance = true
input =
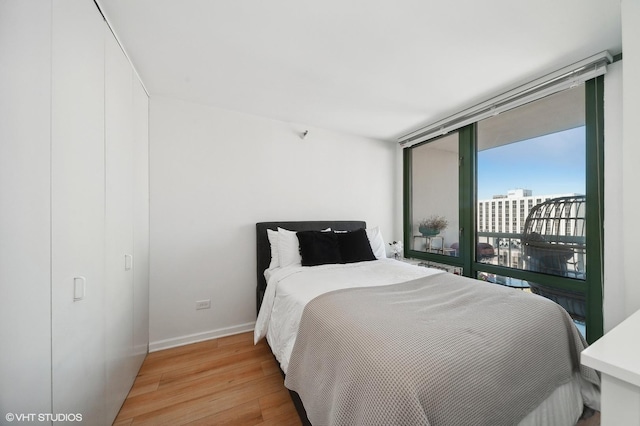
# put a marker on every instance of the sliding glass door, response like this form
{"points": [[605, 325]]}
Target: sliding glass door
{"points": [[521, 194], [531, 186]]}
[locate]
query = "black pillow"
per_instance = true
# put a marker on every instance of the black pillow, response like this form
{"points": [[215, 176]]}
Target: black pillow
{"points": [[355, 246], [318, 248]]}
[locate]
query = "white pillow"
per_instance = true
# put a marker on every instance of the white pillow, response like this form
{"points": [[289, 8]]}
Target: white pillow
{"points": [[377, 243], [289, 247], [273, 241]]}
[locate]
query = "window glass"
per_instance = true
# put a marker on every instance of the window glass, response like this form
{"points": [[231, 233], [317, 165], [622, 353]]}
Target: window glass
{"points": [[531, 186], [521, 178], [434, 198]]}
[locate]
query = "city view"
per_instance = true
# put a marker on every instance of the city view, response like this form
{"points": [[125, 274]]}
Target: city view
{"points": [[536, 170], [539, 223], [556, 224]]}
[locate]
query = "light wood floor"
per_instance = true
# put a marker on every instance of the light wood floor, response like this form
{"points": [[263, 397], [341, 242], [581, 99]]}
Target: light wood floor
{"points": [[226, 381]]}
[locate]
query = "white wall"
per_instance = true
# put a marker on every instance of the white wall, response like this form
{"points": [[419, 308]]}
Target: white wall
{"points": [[613, 294], [214, 174], [631, 150]]}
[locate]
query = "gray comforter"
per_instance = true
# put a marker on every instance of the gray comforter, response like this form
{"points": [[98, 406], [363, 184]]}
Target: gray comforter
{"points": [[440, 350]]}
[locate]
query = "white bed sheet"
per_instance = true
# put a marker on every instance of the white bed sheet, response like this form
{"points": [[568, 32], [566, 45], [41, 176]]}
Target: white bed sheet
{"points": [[289, 289]]}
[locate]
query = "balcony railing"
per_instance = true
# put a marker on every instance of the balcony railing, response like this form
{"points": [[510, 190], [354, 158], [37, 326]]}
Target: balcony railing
{"points": [[567, 253]]}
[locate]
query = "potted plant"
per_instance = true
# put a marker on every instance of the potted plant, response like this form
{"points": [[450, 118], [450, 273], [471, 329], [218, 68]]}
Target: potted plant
{"points": [[432, 225]]}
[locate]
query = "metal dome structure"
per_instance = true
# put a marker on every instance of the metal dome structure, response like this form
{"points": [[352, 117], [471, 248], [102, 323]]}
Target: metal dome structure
{"points": [[554, 242]]}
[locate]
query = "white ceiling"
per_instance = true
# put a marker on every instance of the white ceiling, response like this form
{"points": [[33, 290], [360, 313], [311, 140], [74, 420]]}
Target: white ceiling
{"points": [[368, 67]]}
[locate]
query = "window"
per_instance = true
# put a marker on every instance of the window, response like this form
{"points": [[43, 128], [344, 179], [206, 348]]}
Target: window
{"points": [[435, 207], [536, 152], [527, 215]]}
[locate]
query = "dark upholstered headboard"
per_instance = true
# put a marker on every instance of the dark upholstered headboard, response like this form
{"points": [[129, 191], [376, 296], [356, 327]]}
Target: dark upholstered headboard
{"points": [[264, 249]]}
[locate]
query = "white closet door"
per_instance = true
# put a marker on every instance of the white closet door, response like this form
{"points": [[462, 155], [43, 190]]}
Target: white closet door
{"points": [[77, 215], [141, 223], [119, 225], [25, 222]]}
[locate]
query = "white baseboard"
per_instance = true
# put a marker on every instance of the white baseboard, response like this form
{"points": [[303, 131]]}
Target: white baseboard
{"points": [[200, 337]]}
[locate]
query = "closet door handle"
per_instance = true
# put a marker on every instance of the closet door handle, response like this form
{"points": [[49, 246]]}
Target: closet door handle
{"points": [[128, 262], [79, 286]]}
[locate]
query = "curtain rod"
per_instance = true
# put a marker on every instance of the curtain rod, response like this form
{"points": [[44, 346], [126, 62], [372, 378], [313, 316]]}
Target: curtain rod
{"points": [[548, 84]]}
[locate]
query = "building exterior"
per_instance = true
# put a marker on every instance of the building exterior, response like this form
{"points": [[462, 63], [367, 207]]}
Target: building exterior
{"points": [[507, 213], [501, 222]]}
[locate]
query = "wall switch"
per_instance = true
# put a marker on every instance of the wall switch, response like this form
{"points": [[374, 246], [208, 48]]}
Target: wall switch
{"points": [[203, 304]]}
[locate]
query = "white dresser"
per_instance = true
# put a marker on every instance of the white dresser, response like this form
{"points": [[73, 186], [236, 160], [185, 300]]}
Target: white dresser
{"points": [[617, 357]]}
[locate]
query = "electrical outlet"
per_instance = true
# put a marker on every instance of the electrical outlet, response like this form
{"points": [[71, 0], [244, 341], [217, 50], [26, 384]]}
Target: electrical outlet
{"points": [[203, 304]]}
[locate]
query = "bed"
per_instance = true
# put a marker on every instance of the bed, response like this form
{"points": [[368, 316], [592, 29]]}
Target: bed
{"points": [[383, 342]]}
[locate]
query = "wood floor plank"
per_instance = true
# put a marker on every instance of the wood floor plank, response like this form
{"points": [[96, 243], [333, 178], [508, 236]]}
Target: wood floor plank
{"points": [[184, 392], [242, 338], [158, 365], [196, 409], [276, 404], [145, 384], [247, 414], [193, 348], [287, 419], [125, 422], [270, 367], [210, 367], [226, 381]]}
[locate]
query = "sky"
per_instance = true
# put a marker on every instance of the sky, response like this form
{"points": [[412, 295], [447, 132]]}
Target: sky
{"points": [[550, 164]]}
